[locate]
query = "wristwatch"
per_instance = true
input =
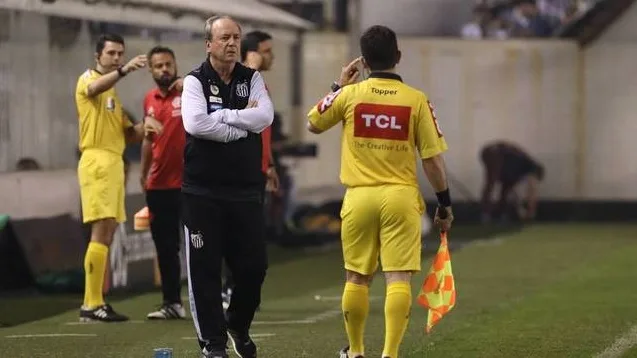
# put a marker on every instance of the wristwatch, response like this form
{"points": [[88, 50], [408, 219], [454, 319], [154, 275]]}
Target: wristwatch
{"points": [[120, 71], [335, 87]]}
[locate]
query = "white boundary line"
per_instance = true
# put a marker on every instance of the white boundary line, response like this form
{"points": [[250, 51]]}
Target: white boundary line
{"points": [[310, 320], [621, 344], [264, 323], [339, 298], [52, 335], [78, 323], [254, 336], [325, 315]]}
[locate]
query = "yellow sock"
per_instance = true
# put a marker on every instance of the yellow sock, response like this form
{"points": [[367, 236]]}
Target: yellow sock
{"points": [[94, 267], [397, 308], [355, 311]]}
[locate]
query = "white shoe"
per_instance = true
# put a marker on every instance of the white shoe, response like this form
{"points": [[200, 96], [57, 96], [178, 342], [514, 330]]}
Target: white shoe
{"points": [[169, 311]]}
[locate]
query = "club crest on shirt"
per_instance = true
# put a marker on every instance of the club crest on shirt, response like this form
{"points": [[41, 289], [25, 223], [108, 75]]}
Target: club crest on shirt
{"points": [[176, 102], [110, 104], [214, 89], [243, 90]]}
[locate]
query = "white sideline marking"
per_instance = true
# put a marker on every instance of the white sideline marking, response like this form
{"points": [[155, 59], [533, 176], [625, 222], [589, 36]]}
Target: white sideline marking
{"points": [[77, 323], [254, 336], [325, 315], [301, 321], [339, 298], [309, 320], [52, 335], [621, 344]]}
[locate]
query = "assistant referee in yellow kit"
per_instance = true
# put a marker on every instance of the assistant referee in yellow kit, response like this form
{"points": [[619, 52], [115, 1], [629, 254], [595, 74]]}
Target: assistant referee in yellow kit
{"points": [[386, 125], [103, 132]]}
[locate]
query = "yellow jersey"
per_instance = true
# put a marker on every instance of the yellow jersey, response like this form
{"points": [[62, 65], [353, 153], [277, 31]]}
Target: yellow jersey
{"points": [[101, 117], [386, 124]]}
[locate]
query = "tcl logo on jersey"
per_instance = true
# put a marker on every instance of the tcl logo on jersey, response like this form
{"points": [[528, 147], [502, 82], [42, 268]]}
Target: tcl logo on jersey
{"points": [[326, 102], [381, 121]]}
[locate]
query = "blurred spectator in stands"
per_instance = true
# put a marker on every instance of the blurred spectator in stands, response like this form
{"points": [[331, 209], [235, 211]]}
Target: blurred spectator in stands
{"points": [[528, 21], [498, 28], [571, 12], [476, 28]]}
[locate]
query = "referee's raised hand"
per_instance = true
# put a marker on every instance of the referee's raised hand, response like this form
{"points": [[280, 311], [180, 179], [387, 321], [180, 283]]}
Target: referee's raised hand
{"points": [[136, 63], [350, 73]]}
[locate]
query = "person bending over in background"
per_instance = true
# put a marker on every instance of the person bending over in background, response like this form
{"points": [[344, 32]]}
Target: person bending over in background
{"points": [[508, 165]]}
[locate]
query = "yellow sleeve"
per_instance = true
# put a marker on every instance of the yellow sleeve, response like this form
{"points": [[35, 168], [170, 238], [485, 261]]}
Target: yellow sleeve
{"points": [[82, 84], [127, 121], [429, 139], [329, 111]]}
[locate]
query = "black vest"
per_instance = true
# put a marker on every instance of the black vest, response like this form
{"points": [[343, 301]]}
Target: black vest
{"points": [[229, 171]]}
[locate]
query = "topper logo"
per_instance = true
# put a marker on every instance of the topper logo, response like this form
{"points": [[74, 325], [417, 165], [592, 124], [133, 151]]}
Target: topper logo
{"points": [[381, 121]]}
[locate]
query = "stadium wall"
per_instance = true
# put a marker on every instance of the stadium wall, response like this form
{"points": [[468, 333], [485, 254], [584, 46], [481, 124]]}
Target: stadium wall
{"points": [[531, 92], [609, 86]]}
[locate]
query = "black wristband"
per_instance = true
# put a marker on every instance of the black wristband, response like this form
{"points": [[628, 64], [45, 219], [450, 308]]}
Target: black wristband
{"points": [[444, 199], [120, 71], [335, 87]]}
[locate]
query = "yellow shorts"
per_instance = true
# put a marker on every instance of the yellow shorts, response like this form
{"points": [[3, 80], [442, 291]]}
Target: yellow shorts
{"points": [[101, 177], [382, 221]]}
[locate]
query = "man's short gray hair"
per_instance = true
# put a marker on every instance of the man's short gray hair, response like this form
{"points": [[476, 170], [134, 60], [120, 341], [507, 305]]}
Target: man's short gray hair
{"points": [[207, 29]]}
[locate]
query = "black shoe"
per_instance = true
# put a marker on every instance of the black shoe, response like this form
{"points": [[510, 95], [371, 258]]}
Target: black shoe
{"points": [[168, 311], [242, 345], [104, 313], [344, 353], [205, 353]]}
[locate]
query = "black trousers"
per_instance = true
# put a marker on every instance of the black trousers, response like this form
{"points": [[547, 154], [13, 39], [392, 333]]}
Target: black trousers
{"points": [[165, 227], [233, 231]]}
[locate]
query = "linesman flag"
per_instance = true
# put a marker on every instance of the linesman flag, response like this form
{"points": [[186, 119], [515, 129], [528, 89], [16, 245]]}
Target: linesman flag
{"points": [[438, 292]]}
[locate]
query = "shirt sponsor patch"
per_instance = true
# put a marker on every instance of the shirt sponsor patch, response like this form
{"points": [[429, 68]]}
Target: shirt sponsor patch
{"points": [[215, 99], [327, 101], [215, 106], [381, 121]]}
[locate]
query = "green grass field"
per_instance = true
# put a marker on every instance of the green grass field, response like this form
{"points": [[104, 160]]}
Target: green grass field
{"points": [[545, 291]]}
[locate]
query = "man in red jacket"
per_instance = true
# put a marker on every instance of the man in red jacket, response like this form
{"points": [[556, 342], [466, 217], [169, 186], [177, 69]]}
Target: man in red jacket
{"points": [[162, 169]]}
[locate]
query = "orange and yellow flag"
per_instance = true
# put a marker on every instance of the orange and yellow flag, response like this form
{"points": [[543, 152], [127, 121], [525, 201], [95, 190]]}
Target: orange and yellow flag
{"points": [[438, 292]]}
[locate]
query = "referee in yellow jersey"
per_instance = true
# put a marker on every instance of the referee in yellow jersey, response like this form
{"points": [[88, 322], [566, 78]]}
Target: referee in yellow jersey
{"points": [[386, 123], [104, 130]]}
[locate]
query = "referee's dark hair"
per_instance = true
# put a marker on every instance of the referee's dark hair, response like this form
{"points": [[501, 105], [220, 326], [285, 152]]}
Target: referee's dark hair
{"points": [[379, 48], [101, 41], [251, 42]]}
